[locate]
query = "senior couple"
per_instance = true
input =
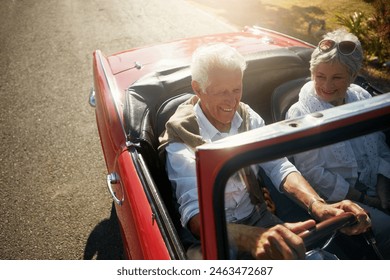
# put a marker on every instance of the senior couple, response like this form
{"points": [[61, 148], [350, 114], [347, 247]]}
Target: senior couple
{"points": [[216, 111]]}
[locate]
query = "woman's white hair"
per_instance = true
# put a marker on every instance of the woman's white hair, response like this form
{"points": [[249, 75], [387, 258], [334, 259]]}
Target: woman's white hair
{"points": [[353, 61], [214, 56]]}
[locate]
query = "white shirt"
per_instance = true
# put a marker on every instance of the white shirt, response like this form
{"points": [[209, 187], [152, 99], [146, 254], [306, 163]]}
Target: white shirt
{"points": [[182, 171]]}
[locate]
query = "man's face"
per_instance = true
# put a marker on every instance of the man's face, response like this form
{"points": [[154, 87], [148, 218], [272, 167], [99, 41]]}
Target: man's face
{"points": [[221, 98]]}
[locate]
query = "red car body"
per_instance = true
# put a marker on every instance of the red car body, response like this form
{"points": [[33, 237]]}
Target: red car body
{"points": [[147, 228]]}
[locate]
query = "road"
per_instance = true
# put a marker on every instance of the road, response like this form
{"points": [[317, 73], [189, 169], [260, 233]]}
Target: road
{"points": [[53, 198]]}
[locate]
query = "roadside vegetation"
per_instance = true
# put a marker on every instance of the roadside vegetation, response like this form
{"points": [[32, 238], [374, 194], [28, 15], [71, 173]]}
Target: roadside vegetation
{"points": [[309, 20], [369, 20]]}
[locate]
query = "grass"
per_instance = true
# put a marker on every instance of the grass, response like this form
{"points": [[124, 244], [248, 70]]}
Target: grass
{"points": [[302, 12], [288, 16]]}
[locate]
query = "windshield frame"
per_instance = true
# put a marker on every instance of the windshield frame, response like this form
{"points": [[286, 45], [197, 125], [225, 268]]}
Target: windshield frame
{"points": [[217, 161]]}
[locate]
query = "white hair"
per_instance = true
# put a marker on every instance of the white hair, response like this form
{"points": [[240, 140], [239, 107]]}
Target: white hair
{"points": [[353, 61], [214, 56]]}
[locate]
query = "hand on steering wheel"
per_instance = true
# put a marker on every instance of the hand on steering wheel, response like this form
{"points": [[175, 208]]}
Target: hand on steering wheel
{"points": [[327, 228]]}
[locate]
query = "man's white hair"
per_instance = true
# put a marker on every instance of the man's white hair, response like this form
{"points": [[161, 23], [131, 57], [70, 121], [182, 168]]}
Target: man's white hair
{"points": [[214, 56]]}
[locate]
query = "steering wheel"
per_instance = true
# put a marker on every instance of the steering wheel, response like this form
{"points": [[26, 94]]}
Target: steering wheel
{"points": [[327, 228]]}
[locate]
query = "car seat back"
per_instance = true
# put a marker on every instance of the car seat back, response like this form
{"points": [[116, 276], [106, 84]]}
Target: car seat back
{"points": [[284, 96]]}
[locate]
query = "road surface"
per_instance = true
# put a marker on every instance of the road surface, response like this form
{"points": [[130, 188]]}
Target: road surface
{"points": [[53, 198]]}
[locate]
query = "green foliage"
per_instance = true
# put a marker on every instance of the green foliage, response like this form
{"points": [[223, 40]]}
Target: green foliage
{"points": [[356, 23], [373, 31]]}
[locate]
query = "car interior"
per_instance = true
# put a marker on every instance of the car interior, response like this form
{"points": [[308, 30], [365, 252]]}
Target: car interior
{"points": [[271, 85]]}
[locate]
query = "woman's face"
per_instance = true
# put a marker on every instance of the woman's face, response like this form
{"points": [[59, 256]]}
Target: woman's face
{"points": [[331, 81], [220, 101]]}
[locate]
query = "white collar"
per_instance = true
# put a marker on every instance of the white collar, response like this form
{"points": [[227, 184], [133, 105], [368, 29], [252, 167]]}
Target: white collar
{"points": [[208, 132]]}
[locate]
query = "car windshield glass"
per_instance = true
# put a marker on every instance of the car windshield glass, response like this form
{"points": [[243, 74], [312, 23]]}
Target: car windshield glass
{"points": [[331, 137], [330, 170]]}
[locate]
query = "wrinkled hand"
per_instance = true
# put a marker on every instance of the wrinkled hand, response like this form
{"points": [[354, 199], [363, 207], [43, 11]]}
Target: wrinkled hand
{"points": [[281, 242], [324, 211], [363, 221]]}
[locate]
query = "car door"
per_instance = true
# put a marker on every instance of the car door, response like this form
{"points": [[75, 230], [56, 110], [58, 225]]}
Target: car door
{"points": [[141, 235]]}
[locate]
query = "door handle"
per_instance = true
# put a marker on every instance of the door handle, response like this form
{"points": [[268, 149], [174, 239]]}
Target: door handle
{"points": [[113, 178]]}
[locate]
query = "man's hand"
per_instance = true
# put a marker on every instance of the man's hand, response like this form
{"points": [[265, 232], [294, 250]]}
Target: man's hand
{"points": [[363, 220], [278, 242]]}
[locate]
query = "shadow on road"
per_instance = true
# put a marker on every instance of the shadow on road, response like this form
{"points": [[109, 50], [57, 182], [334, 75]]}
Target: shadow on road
{"points": [[104, 242]]}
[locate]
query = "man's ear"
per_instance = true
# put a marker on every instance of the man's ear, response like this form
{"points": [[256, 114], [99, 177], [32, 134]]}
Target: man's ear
{"points": [[196, 88]]}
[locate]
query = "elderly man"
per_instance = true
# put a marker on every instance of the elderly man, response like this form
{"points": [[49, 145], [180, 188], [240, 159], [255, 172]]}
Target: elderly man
{"points": [[216, 111]]}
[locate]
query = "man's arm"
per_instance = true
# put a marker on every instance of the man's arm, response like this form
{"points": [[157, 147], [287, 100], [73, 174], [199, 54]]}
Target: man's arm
{"points": [[180, 165], [299, 190], [194, 225]]}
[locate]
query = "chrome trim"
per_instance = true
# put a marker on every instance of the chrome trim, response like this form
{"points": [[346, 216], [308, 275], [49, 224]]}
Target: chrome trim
{"points": [[113, 93], [160, 214], [92, 99], [138, 65], [113, 178]]}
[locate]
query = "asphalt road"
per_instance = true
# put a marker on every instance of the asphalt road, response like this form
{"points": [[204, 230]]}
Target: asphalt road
{"points": [[53, 198]]}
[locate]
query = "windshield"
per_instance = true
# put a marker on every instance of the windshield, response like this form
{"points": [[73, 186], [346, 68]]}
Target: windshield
{"points": [[285, 139]]}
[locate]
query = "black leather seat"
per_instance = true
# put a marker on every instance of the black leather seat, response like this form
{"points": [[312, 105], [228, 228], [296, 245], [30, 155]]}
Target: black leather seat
{"points": [[167, 109], [284, 96]]}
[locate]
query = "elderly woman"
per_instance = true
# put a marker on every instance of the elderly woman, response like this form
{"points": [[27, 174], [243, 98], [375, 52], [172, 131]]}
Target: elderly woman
{"points": [[357, 169]]}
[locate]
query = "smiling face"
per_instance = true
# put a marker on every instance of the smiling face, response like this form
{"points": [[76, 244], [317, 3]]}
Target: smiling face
{"points": [[221, 98], [331, 81]]}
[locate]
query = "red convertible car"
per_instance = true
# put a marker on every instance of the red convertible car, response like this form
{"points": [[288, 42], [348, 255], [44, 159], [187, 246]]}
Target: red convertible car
{"points": [[136, 91]]}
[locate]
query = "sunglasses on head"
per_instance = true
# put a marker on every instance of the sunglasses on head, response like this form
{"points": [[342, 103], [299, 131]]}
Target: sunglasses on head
{"points": [[344, 47]]}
